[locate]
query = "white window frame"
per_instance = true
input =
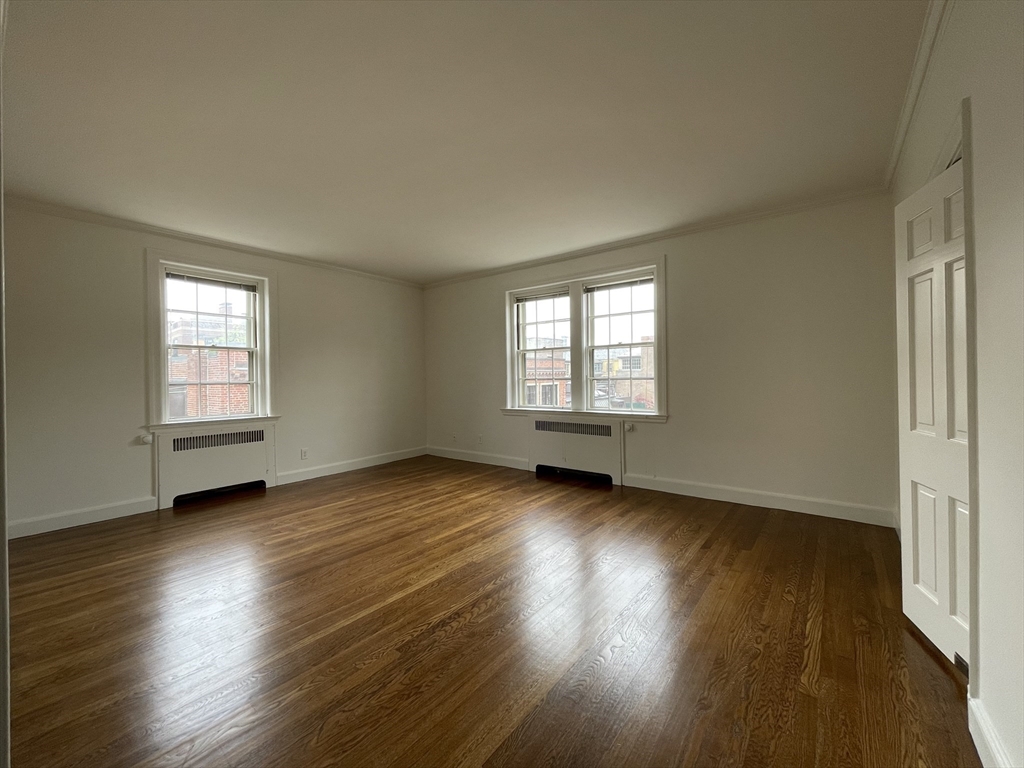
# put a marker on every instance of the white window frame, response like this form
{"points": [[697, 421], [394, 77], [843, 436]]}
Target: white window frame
{"points": [[158, 265], [582, 372]]}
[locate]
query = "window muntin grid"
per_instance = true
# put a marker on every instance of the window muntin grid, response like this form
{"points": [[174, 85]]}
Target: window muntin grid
{"points": [[620, 347], [212, 348], [543, 351]]}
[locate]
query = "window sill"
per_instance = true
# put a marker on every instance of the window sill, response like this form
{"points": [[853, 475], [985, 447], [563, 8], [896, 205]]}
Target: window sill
{"points": [[171, 426], [653, 418]]}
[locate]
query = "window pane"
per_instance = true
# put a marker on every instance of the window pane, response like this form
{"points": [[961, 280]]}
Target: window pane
{"points": [[531, 311], [238, 333], [641, 362], [182, 365], [236, 303], [543, 365], [545, 334], [531, 336], [241, 398], [643, 297], [619, 330], [183, 402], [212, 298], [213, 365], [643, 326], [600, 335], [181, 328], [545, 310], [619, 362], [599, 394], [618, 299], [547, 394], [212, 330], [599, 303], [531, 394], [214, 399], [180, 294], [643, 396], [600, 363], [562, 308], [618, 395], [240, 368], [562, 334]]}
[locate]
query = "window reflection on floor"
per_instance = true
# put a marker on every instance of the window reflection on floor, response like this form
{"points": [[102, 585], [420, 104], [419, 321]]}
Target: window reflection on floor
{"points": [[212, 623]]}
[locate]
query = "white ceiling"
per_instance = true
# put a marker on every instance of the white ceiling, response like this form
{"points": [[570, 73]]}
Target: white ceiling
{"points": [[424, 140]]}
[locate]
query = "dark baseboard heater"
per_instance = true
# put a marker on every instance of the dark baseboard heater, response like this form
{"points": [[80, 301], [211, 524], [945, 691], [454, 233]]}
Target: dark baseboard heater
{"points": [[579, 475]]}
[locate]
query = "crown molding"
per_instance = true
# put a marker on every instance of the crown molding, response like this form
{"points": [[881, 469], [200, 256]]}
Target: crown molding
{"points": [[934, 23], [667, 234], [78, 214]]}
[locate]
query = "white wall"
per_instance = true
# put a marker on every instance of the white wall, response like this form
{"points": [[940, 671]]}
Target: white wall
{"points": [[349, 384], [981, 55], [781, 350]]}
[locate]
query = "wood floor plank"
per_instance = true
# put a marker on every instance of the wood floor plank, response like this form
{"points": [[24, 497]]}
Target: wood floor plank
{"points": [[435, 612]]}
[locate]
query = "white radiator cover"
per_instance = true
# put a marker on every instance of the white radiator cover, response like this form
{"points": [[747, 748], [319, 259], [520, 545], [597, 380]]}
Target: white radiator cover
{"points": [[566, 443], [201, 458]]}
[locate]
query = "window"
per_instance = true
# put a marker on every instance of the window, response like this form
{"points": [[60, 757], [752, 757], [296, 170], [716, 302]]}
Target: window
{"points": [[620, 341], [212, 347], [210, 356], [543, 350], [612, 323]]}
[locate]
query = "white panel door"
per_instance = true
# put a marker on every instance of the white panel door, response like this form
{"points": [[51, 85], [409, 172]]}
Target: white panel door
{"points": [[932, 349]]}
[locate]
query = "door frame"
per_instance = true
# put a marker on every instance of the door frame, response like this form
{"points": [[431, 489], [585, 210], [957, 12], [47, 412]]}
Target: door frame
{"points": [[974, 569]]}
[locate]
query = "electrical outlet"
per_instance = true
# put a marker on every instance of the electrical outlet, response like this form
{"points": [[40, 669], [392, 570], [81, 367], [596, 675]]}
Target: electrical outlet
{"points": [[304, 453], [479, 439], [454, 438]]}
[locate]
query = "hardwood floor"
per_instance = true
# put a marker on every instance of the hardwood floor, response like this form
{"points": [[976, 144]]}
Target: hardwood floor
{"points": [[433, 612]]}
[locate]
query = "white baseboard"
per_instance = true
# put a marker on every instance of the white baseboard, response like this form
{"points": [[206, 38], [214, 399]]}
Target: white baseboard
{"points": [[512, 462], [986, 740], [297, 475], [842, 510], [75, 517]]}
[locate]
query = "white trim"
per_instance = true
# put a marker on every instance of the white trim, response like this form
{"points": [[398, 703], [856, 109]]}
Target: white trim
{"points": [[860, 513], [593, 415], [934, 22], [990, 747], [76, 517], [91, 217], [841, 510], [192, 426], [513, 462], [298, 475], [666, 234]]}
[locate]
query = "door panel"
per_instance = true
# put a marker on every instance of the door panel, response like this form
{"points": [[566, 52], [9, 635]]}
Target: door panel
{"points": [[933, 413], [922, 356], [925, 538]]}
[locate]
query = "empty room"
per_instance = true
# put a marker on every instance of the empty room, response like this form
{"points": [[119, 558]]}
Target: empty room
{"points": [[597, 384]]}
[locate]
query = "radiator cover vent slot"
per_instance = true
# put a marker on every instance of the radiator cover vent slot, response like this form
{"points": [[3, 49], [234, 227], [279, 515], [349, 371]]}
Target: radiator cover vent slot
{"points": [[194, 442], [574, 428]]}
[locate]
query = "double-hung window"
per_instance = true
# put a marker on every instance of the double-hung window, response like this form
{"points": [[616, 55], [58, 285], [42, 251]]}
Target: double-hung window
{"points": [[611, 324], [543, 351], [212, 340], [621, 346]]}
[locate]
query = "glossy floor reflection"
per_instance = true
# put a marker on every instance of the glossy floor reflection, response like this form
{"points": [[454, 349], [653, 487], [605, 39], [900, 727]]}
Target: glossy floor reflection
{"points": [[432, 612]]}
